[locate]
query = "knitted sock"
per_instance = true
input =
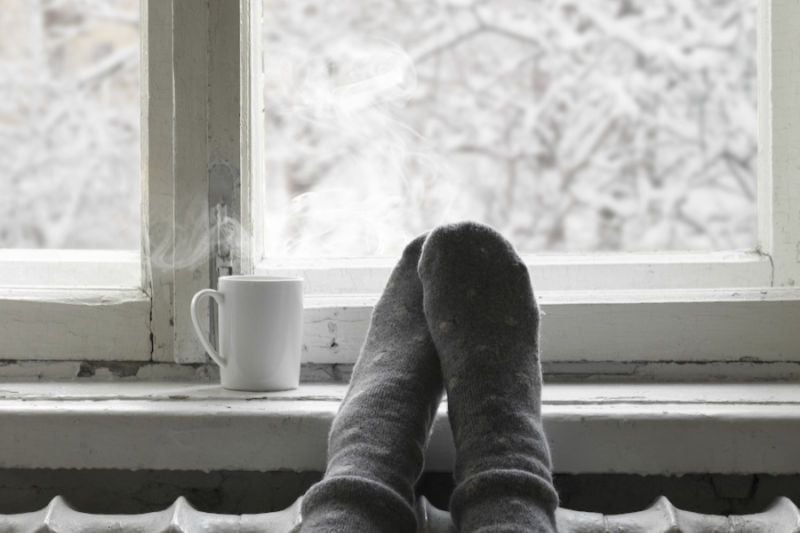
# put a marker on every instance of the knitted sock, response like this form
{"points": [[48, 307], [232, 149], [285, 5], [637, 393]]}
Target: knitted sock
{"points": [[377, 442], [484, 322]]}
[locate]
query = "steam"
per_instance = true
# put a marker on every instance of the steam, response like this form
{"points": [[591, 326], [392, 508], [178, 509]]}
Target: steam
{"points": [[343, 171], [198, 235]]}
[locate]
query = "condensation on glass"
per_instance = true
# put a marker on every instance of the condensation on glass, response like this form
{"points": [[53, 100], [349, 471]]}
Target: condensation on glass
{"points": [[69, 124], [598, 125]]}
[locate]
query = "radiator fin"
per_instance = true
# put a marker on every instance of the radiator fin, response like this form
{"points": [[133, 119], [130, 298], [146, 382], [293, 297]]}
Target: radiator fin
{"points": [[782, 516]]}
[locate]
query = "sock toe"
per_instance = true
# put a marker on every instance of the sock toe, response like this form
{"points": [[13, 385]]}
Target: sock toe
{"points": [[475, 285], [457, 247]]}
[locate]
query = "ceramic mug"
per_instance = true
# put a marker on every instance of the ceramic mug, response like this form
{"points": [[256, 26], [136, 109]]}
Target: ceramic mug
{"points": [[260, 323]]}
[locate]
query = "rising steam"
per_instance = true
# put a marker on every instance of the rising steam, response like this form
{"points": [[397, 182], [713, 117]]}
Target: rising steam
{"points": [[342, 167]]}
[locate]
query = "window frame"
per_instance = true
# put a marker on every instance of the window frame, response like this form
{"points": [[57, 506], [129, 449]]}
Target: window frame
{"points": [[75, 305], [639, 314], [194, 160], [644, 313], [60, 311]]}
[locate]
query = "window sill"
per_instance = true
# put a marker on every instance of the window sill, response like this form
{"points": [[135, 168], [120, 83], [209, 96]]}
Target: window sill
{"points": [[643, 326], [592, 428]]}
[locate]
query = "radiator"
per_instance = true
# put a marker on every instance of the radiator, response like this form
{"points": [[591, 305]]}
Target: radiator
{"points": [[782, 516]]}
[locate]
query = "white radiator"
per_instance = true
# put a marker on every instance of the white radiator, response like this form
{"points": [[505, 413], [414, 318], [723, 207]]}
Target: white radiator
{"points": [[782, 516]]}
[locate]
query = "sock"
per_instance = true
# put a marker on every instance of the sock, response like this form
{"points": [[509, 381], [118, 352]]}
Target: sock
{"points": [[484, 322], [377, 441]]}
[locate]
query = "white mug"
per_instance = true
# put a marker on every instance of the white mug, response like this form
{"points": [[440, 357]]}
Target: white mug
{"points": [[260, 323]]}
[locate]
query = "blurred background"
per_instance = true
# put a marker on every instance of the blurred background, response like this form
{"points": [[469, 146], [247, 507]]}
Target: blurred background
{"points": [[69, 124], [571, 126]]}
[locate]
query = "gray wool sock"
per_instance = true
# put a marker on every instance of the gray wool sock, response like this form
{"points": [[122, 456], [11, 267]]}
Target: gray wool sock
{"points": [[484, 321], [377, 442]]}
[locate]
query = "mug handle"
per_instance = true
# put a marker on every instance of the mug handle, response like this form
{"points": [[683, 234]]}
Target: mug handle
{"points": [[219, 298]]}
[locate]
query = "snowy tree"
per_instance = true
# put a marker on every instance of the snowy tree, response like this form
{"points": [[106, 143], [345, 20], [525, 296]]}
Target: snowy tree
{"points": [[568, 125], [69, 123]]}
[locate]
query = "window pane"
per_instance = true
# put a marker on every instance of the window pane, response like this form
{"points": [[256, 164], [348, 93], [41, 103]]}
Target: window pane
{"points": [[571, 126], [69, 124]]}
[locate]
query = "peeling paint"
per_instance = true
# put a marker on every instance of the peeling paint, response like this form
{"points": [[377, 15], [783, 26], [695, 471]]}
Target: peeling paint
{"points": [[749, 369], [148, 371]]}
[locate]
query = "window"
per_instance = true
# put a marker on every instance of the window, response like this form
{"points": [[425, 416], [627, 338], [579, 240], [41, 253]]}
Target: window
{"points": [[569, 126], [99, 303], [222, 85], [632, 124], [69, 164], [69, 138], [70, 127]]}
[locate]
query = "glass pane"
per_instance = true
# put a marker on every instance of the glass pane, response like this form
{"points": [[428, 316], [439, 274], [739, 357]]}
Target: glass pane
{"points": [[69, 124], [598, 125]]}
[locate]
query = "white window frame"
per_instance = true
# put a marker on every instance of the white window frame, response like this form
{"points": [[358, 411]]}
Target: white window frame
{"points": [[61, 305], [654, 315], [76, 306]]}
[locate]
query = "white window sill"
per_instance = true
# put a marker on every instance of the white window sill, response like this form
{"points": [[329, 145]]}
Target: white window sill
{"points": [[592, 428]]}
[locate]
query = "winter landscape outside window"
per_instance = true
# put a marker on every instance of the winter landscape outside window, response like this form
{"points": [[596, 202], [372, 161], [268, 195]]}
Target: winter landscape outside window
{"points": [[69, 124], [611, 125], [245, 132], [615, 142], [602, 125]]}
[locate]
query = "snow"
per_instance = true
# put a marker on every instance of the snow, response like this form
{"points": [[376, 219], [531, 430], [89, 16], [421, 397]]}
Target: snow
{"points": [[592, 125], [602, 125], [69, 124]]}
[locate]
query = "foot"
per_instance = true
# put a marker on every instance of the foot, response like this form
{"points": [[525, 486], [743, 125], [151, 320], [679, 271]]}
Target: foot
{"points": [[484, 321], [377, 441]]}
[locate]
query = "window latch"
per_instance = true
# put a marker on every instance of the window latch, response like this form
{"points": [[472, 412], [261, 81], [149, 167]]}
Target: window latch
{"points": [[224, 237]]}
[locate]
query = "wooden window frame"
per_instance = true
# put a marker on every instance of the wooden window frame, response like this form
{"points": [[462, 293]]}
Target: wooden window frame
{"points": [[119, 306]]}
